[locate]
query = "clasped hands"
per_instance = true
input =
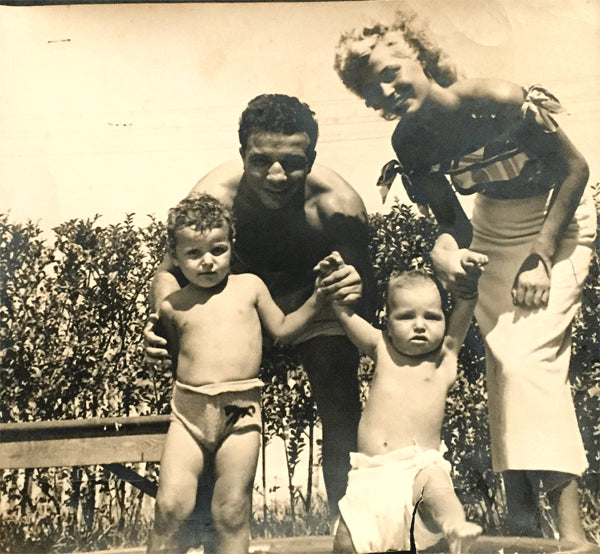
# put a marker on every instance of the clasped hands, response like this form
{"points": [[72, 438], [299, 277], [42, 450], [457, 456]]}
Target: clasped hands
{"points": [[337, 281]]}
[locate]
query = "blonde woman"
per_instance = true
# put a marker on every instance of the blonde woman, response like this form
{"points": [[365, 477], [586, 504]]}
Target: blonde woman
{"points": [[532, 218]]}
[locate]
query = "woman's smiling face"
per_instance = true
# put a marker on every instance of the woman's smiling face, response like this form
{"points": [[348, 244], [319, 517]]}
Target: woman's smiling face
{"points": [[394, 82]]}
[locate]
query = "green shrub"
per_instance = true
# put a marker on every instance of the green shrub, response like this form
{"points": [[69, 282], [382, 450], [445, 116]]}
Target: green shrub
{"points": [[71, 316]]}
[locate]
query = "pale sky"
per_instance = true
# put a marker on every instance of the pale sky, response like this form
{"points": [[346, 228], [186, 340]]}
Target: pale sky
{"points": [[114, 109]]}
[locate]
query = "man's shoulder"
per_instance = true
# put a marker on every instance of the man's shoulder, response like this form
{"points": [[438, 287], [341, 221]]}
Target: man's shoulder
{"points": [[222, 182], [331, 193]]}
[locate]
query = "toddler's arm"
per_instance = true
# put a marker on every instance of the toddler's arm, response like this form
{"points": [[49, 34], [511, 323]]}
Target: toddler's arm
{"points": [[279, 325], [466, 298]]}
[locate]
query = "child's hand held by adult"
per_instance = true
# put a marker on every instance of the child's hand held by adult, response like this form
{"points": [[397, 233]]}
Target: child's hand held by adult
{"points": [[340, 282], [472, 264]]}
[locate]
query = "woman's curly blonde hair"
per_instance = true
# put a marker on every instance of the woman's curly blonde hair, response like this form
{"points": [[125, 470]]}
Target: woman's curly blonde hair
{"points": [[355, 47]]}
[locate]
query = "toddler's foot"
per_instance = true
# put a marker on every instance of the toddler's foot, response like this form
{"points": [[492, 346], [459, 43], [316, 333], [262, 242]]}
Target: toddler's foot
{"points": [[461, 536]]}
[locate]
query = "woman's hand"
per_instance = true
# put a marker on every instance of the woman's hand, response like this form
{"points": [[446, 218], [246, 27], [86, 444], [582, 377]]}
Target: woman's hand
{"points": [[339, 281], [531, 287], [155, 346]]}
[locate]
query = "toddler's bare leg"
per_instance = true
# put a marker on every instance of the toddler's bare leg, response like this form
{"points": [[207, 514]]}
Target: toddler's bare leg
{"points": [[235, 467], [440, 505], [565, 500], [343, 540], [181, 463]]}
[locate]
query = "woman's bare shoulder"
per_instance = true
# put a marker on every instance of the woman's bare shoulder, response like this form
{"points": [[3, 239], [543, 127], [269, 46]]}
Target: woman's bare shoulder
{"points": [[495, 92]]}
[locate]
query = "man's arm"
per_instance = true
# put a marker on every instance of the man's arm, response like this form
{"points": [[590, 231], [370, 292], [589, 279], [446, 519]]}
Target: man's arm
{"points": [[346, 224], [167, 328], [221, 182]]}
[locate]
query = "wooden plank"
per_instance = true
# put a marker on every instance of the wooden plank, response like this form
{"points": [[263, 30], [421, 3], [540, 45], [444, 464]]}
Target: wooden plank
{"points": [[81, 451], [78, 428], [82, 442]]}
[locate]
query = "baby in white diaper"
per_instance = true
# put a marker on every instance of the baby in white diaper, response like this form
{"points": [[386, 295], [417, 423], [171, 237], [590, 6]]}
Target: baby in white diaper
{"points": [[399, 478]]}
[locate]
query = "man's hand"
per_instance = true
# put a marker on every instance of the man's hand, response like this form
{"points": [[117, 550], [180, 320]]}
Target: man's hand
{"points": [[155, 346], [531, 287], [339, 281]]}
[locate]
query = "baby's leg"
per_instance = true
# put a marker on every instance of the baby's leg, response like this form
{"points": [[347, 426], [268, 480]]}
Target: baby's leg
{"points": [[235, 466], [440, 505], [343, 540], [181, 463]]}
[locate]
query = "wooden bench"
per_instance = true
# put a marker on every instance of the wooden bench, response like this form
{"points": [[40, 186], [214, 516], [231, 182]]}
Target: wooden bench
{"points": [[109, 442]]}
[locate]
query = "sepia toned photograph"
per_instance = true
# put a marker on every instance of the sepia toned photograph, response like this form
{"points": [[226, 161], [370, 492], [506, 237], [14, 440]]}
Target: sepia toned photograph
{"points": [[300, 277]]}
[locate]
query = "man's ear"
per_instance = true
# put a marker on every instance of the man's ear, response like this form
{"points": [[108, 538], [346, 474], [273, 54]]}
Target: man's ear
{"points": [[242, 152]]}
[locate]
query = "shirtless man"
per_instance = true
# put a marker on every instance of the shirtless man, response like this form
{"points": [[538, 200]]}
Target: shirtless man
{"points": [[399, 464], [290, 214]]}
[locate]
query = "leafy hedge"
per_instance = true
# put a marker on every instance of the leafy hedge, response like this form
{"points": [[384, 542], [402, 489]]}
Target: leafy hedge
{"points": [[72, 308]]}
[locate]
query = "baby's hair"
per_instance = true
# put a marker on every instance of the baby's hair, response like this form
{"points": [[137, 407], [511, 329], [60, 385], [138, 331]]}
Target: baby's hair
{"points": [[355, 47], [202, 212], [413, 278]]}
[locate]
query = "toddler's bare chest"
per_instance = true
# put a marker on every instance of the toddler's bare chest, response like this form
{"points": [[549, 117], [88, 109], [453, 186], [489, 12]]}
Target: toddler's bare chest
{"points": [[216, 318]]}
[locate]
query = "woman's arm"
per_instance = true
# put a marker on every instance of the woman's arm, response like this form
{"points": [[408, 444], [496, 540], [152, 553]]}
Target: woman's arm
{"points": [[530, 124], [532, 283], [455, 236]]}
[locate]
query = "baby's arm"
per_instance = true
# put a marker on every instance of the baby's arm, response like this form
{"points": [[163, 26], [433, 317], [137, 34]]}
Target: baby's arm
{"points": [[279, 325], [466, 298], [360, 332]]}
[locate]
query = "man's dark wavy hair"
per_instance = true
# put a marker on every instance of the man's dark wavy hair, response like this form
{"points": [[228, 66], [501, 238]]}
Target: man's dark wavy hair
{"points": [[278, 113]]}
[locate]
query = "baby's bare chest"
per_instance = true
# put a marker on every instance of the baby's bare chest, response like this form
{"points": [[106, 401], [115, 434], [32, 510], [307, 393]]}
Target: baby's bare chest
{"points": [[426, 382]]}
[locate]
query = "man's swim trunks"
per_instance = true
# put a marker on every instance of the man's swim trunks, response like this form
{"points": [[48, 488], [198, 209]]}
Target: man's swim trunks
{"points": [[378, 505], [212, 412]]}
